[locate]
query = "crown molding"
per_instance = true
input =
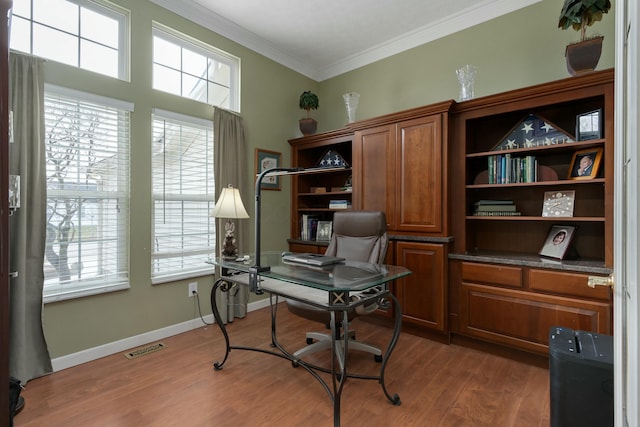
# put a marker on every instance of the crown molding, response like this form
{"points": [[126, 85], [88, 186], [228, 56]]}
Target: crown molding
{"points": [[481, 12]]}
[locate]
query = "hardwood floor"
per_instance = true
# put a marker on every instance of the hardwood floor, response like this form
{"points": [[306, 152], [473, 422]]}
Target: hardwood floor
{"points": [[439, 385]]}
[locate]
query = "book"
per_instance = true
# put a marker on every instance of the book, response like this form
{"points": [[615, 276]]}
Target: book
{"points": [[338, 204], [491, 208], [493, 202], [308, 226], [497, 213]]}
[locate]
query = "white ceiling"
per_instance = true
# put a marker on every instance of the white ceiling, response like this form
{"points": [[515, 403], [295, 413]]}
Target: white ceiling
{"points": [[322, 39]]}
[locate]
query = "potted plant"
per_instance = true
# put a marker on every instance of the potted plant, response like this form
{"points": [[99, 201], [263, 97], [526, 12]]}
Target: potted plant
{"points": [[583, 56], [308, 101]]}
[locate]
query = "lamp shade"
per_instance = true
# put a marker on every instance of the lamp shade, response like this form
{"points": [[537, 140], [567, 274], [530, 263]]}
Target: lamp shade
{"points": [[229, 205]]}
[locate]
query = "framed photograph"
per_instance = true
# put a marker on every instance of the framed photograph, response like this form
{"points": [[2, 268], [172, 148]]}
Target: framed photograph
{"points": [[589, 125], [323, 233], [558, 203], [266, 159], [585, 163], [558, 241]]}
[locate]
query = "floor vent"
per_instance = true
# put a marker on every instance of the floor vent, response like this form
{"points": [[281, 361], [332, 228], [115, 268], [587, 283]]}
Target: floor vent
{"points": [[132, 354]]}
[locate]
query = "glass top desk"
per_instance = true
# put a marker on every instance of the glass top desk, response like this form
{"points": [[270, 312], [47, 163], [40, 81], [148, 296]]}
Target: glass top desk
{"points": [[337, 288]]}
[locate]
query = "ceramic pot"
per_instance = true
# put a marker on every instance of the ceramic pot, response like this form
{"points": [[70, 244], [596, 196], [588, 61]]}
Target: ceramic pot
{"points": [[308, 126], [582, 57]]}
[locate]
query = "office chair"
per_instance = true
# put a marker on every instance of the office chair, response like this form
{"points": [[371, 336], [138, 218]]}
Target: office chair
{"points": [[357, 236]]}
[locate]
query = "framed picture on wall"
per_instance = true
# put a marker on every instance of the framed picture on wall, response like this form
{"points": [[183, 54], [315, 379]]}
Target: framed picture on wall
{"points": [[266, 159]]}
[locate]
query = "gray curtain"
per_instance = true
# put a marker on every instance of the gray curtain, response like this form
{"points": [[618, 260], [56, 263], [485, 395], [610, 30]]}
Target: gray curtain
{"points": [[230, 164], [28, 353]]}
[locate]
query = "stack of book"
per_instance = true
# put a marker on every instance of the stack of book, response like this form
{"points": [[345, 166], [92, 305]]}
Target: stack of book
{"points": [[495, 208], [339, 204]]}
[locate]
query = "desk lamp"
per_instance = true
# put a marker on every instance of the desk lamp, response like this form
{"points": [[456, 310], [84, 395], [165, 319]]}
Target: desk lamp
{"points": [[229, 205], [257, 268]]}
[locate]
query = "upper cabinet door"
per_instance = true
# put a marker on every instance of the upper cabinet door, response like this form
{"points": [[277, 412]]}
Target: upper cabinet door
{"points": [[374, 153], [418, 197], [399, 171]]}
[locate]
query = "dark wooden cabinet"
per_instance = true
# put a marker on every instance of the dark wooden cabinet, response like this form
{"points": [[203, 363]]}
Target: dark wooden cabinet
{"points": [[517, 306], [422, 295], [481, 276], [399, 168], [501, 289], [400, 171]]}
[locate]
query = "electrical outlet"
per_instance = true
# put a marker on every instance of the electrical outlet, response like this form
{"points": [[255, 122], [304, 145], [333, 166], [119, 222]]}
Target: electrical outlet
{"points": [[193, 289]]}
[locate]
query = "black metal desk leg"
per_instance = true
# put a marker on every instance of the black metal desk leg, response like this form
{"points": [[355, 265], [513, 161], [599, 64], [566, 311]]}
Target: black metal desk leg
{"points": [[395, 399], [339, 378], [224, 287]]}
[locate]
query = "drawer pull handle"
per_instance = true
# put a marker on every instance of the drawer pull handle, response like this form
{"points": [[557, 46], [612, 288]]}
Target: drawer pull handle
{"points": [[594, 281]]}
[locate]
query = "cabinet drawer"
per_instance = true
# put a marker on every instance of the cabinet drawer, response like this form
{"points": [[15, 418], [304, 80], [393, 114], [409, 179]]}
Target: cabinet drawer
{"points": [[522, 319], [492, 274], [571, 284]]}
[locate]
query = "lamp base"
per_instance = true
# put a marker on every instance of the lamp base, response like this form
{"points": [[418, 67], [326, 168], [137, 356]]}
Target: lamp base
{"points": [[230, 250]]}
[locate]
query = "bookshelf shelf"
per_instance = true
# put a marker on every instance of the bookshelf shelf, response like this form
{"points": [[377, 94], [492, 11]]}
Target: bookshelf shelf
{"points": [[306, 202]]}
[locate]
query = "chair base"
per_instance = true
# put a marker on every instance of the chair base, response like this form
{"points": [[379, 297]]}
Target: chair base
{"points": [[323, 342]]}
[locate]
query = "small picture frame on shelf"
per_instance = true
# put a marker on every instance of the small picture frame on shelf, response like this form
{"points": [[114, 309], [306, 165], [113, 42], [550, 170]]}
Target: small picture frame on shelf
{"points": [[558, 242], [266, 159], [585, 164], [558, 203], [589, 125], [324, 230]]}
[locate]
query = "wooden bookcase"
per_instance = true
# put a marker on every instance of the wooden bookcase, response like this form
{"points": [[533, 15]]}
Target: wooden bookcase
{"points": [[307, 152], [479, 127], [501, 289]]}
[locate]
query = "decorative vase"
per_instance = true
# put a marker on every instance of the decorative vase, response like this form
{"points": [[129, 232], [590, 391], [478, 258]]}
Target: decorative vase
{"points": [[582, 57], [308, 126], [466, 76], [351, 102]]}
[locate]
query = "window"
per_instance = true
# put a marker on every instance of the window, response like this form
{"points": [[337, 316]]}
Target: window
{"points": [[183, 195], [87, 164], [189, 68], [89, 34]]}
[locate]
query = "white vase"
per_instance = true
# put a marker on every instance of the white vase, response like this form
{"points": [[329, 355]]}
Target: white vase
{"points": [[351, 102], [466, 76]]}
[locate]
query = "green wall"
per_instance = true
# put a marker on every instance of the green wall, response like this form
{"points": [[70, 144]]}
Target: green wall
{"points": [[516, 50], [270, 111]]}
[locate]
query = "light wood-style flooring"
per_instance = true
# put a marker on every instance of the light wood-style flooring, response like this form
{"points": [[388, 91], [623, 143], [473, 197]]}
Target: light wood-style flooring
{"points": [[438, 384]]}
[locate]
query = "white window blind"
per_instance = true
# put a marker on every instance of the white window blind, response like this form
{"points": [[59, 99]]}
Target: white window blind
{"points": [[183, 195], [87, 164]]}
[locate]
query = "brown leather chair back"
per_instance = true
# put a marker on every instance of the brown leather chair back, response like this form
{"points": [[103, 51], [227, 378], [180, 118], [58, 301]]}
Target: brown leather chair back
{"points": [[359, 236]]}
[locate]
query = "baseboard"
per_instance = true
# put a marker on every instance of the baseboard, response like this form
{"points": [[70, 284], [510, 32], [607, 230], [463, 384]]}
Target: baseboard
{"points": [[94, 353]]}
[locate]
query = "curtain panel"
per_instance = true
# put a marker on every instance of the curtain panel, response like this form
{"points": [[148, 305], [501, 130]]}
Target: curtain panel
{"points": [[28, 353], [230, 168]]}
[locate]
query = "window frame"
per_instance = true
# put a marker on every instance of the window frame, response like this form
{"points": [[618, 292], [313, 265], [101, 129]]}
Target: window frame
{"points": [[101, 7], [205, 269], [211, 52], [121, 280]]}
